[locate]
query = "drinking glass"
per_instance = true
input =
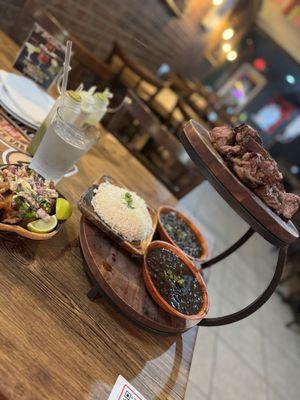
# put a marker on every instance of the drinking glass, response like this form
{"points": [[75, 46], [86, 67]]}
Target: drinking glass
{"points": [[64, 142]]}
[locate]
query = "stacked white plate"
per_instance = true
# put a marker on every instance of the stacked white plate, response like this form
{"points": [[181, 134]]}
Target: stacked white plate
{"points": [[24, 99]]}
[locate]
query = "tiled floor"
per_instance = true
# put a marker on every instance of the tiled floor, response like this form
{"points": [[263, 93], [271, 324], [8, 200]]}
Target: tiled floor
{"points": [[257, 358]]}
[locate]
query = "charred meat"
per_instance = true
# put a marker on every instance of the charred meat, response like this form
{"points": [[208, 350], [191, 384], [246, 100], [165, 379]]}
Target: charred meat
{"points": [[242, 149]]}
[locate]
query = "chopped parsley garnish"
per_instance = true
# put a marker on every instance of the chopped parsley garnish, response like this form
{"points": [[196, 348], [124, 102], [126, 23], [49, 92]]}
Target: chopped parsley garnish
{"points": [[25, 212], [171, 277], [45, 204], [129, 200]]}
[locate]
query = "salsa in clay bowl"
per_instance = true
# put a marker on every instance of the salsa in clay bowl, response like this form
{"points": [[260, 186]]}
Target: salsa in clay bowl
{"points": [[174, 282], [177, 229]]}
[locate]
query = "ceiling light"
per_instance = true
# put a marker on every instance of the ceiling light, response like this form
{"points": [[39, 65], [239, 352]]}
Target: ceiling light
{"points": [[228, 33], [260, 64], [290, 79], [226, 47], [243, 117], [212, 116], [217, 2], [295, 169], [232, 55]]}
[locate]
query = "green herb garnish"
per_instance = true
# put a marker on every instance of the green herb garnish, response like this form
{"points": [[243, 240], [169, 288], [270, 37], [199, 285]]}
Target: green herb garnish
{"points": [[171, 277], [25, 212], [45, 204], [24, 207], [180, 282], [129, 200]]}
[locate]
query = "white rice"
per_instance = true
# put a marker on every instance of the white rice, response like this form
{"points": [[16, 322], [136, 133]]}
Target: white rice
{"points": [[109, 202]]}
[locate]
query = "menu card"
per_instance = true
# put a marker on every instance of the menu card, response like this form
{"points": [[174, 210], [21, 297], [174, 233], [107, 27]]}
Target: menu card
{"points": [[41, 57], [11, 135], [123, 390]]}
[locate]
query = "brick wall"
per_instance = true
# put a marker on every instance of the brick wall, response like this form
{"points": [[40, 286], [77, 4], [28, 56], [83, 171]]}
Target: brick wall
{"points": [[145, 28]]}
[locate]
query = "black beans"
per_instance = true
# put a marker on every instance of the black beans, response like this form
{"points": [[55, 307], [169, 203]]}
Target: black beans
{"points": [[180, 232], [175, 281]]}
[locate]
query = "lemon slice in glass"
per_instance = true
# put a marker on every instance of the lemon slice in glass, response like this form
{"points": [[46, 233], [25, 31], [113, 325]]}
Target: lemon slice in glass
{"points": [[42, 226], [63, 209]]}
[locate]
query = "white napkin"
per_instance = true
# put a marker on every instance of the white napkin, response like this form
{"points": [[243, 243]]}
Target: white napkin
{"points": [[29, 99]]}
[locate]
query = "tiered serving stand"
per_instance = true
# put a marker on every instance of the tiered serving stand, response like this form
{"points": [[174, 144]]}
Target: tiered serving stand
{"points": [[260, 217], [118, 276]]}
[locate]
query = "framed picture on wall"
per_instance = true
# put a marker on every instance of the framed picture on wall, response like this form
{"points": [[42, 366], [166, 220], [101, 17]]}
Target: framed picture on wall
{"points": [[242, 87], [274, 115], [41, 57]]}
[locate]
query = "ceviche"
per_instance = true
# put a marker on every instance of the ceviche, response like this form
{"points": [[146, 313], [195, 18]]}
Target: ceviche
{"points": [[25, 197]]}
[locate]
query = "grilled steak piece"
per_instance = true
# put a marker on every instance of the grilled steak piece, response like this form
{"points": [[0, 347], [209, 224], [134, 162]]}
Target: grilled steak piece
{"points": [[285, 204], [249, 144], [222, 137], [232, 142], [228, 151], [242, 149], [242, 131], [255, 170], [247, 169]]}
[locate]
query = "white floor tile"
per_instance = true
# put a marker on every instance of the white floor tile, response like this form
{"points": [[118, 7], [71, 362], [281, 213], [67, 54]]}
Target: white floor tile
{"points": [[233, 379], [258, 358], [194, 393], [282, 371], [275, 316], [203, 360]]}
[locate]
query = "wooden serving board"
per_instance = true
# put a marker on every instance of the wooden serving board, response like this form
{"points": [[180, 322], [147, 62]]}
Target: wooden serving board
{"points": [[252, 209], [119, 277]]}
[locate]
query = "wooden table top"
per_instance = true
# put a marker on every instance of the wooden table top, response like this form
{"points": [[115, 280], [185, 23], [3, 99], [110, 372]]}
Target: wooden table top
{"points": [[54, 342]]}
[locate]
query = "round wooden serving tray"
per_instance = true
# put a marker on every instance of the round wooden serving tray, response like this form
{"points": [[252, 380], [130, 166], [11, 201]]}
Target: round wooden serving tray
{"points": [[253, 210], [119, 277]]}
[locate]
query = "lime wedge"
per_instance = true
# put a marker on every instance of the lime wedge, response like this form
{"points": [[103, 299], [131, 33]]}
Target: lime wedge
{"points": [[74, 95], [43, 226], [63, 209]]}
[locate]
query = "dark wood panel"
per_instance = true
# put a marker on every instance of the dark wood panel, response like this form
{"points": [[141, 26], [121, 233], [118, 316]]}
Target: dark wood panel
{"points": [[146, 29]]}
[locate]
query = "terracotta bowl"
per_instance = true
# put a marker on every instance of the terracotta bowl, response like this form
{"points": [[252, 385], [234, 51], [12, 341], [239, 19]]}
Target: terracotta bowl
{"points": [[20, 231], [166, 237], [157, 297]]}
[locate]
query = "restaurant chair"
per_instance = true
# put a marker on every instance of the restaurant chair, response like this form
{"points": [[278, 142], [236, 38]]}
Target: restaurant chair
{"points": [[142, 133], [86, 67], [200, 100], [133, 75], [187, 90], [180, 115], [157, 94]]}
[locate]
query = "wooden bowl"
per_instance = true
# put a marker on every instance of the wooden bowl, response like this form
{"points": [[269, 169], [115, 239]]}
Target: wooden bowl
{"points": [[157, 297], [19, 230], [166, 237], [86, 208]]}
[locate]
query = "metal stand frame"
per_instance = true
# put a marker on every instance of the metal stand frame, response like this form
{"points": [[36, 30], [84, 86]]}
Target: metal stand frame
{"points": [[230, 250], [256, 304]]}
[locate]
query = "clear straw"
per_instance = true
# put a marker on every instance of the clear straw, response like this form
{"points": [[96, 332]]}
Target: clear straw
{"points": [[66, 71]]}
